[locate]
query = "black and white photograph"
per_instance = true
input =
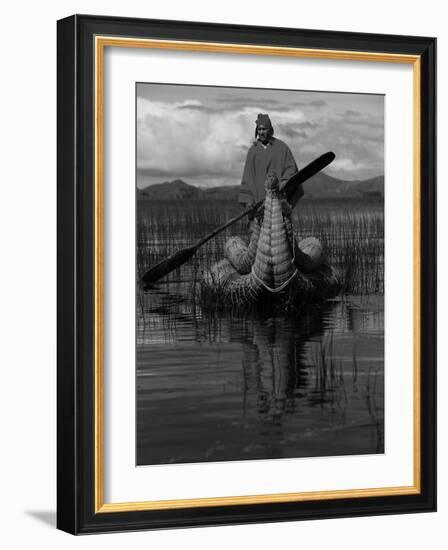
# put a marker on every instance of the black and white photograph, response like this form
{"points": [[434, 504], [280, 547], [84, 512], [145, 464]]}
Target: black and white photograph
{"points": [[223, 293], [259, 274]]}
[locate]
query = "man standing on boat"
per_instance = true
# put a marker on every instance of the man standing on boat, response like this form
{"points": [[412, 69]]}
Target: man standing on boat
{"points": [[267, 154]]}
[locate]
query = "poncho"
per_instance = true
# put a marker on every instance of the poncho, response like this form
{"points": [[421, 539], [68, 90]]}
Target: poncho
{"points": [[276, 157]]}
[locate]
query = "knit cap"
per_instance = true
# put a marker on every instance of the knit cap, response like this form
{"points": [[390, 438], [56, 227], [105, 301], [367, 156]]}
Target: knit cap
{"points": [[264, 120]]}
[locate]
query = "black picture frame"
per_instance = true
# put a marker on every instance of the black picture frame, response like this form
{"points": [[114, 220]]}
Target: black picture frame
{"points": [[77, 511]]}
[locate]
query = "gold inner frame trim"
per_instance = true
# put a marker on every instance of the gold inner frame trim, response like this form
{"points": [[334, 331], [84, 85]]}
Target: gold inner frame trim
{"points": [[101, 42]]}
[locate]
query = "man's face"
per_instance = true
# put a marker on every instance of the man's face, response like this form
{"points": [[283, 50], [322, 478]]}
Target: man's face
{"points": [[263, 133]]}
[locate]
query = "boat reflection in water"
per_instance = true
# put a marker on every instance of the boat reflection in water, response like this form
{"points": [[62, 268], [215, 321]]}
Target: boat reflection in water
{"points": [[217, 386]]}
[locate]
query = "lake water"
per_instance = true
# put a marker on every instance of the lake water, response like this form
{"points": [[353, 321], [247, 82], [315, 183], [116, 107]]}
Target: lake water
{"points": [[225, 385]]}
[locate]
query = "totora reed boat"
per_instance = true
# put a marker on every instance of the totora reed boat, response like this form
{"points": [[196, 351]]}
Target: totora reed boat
{"points": [[273, 268]]}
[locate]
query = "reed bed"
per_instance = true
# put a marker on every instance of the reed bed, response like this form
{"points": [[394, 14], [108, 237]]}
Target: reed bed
{"points": [[351, 230]]}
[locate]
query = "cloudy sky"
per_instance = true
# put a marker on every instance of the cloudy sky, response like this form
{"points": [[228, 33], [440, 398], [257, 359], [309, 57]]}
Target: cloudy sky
{"points": [[201, 134]]}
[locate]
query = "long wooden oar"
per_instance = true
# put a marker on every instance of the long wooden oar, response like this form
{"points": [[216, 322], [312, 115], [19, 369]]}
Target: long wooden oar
{"points": [[155, 273]]}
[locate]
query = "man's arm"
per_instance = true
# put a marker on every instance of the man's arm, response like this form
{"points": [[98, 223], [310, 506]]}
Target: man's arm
{"points": [[245, 196], [289, 165]]}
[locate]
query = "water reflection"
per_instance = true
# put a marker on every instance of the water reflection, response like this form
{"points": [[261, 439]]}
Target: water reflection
{"points": [[214, 386]]}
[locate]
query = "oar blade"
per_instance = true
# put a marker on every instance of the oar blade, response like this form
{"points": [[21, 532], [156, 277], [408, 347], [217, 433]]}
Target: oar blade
{"points": [[153, 274]]}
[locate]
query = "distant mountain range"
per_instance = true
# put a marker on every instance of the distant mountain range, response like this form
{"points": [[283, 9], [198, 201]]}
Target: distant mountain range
{"points": [[319, 186]]}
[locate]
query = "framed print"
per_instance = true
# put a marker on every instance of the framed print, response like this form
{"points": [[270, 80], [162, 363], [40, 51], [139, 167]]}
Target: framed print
{"points": [[246, 274]]}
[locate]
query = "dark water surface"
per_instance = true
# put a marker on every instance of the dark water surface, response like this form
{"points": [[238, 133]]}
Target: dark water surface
{"points": [[222, 385]]}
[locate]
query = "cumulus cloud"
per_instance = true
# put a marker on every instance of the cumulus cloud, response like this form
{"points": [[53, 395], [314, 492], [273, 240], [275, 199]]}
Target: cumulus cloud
{"points": [[346, 165], [185, 139], [202, 134]]}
